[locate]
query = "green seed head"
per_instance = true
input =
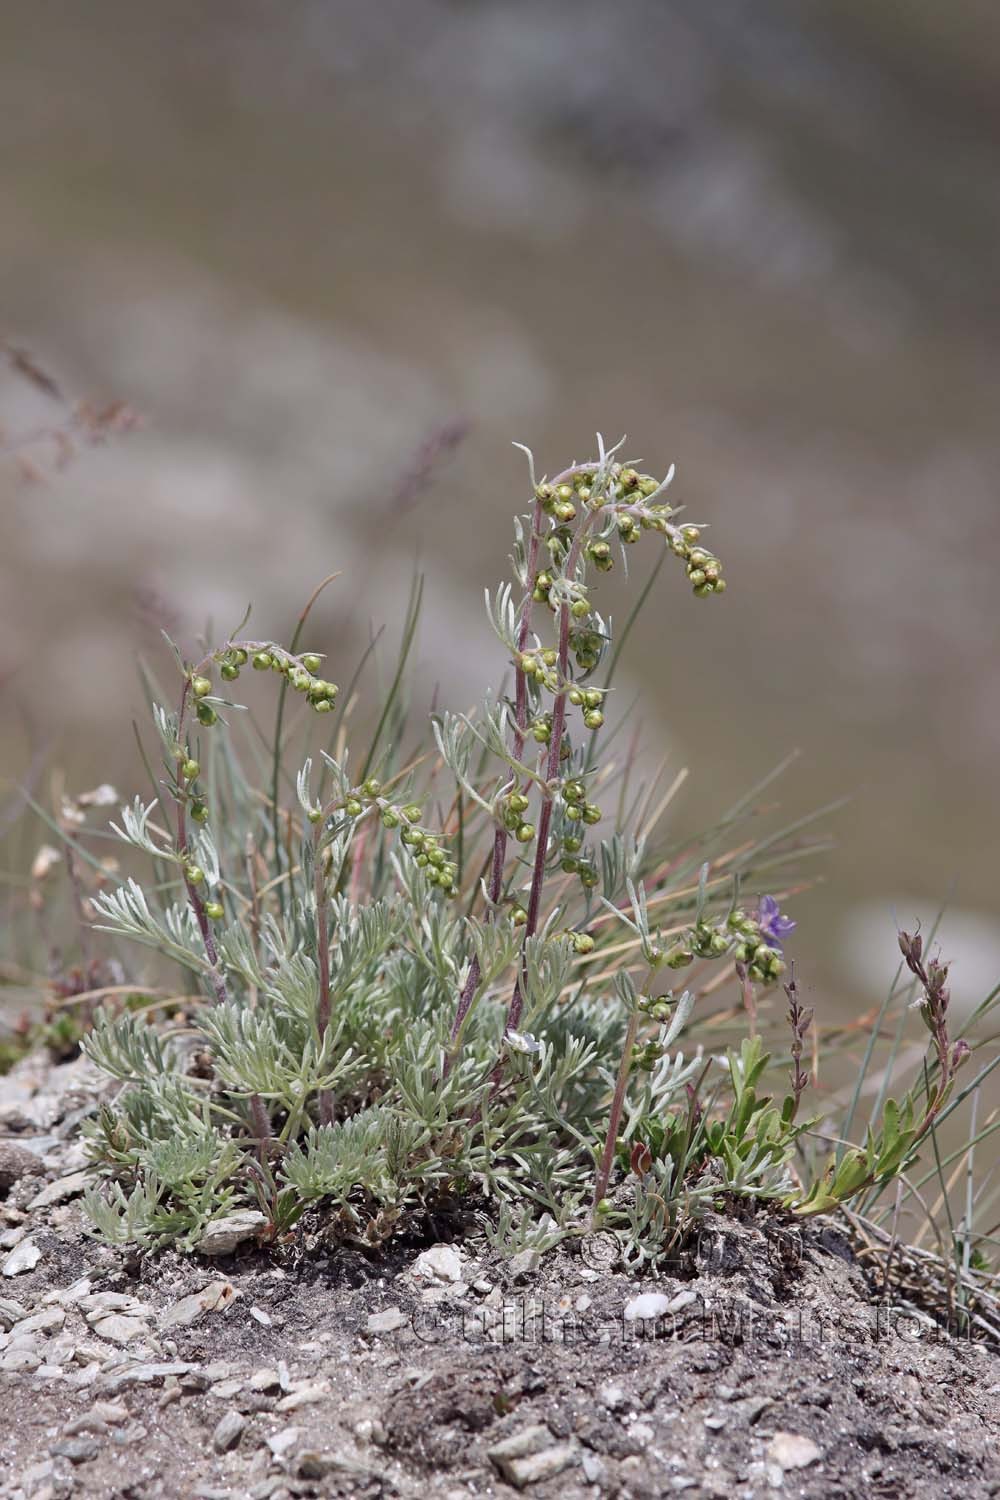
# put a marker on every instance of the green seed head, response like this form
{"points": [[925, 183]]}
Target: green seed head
{"points": [[201, 686], [312, 662], [524, 833], [214, 910], [262, 661], [207, 715], [190, 770]]}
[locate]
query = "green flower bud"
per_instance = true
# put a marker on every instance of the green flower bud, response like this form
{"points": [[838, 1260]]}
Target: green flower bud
{"points": [[573, 812], [300, 680], [315, 815], [720, 587], [593, 718], [585, 493], [390, 818], [573, 844], [229, 671], [575, 696], [239, 656], [564, 492], [569, 865], [524, 833], [323, 705], [372, 787], [353, 808], [215, 910], [437, 857], [703, 590], [588, 877], [201, 686], [697, 577], [690, 533], [262, 661], [199, 812], [190, 770], [519, 916], [194, 874], [206, 715], [583, 942], [579, 609], [412, 812], [565, 512], [678, 957], [593, 698], [591, 814], [312, 662]]}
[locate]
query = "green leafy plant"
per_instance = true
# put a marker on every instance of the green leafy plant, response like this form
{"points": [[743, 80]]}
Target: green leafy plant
{"points": [[427, 988]]}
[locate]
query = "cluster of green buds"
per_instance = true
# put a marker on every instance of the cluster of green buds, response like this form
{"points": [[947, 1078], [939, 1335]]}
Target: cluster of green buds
{"points": [[300, 672], [513, 806], [659, 1008], [423, 846], [591, 700], [763, 960], [630, 498], [738, 936], [587, 646], [577, 808], [703, 569]]}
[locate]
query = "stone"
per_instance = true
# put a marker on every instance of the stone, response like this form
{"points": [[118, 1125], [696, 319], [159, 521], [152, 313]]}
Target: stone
{"points": [[224, 1235], [264, 1380], [523, 1263], [24, 1257], [229, 1431], [790, 1450], [79, 1450], [16, 1162], [304, 1395], [144, 1374], [284, 1441], [441, 1263], [118, 1328], [46, 1321], [11, 1312], [190, 1310], [536, 1467], [682, 1300], [387, 1321], [646, 1305], [612, 1396], [60, 1190]]}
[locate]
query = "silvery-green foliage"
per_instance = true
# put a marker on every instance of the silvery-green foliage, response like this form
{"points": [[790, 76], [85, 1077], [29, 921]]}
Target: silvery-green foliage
{"points": [[418, 981]]}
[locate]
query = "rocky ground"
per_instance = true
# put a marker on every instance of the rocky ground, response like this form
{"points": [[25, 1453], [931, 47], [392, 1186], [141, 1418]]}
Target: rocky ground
{"points": [[761, 1365]]}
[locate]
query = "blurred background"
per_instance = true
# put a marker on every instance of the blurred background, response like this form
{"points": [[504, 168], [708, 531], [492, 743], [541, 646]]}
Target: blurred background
{"points": [[302, 241]]}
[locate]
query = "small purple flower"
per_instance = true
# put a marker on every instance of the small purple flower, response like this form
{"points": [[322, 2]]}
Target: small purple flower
{"points": [[774, 927]]}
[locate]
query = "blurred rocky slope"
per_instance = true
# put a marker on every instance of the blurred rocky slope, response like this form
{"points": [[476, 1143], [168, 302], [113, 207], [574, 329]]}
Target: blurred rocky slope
{"points": [[300, 239]]}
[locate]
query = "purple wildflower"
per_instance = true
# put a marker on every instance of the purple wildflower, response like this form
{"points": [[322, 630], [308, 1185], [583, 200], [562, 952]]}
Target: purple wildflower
{"points": [[774, 927]]}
